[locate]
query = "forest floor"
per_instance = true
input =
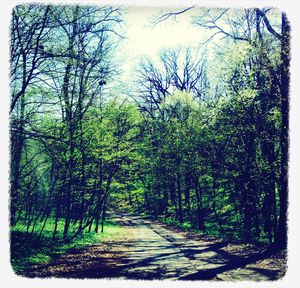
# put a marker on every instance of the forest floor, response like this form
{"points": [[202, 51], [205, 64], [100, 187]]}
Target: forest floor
{"points": [[151, 250]]}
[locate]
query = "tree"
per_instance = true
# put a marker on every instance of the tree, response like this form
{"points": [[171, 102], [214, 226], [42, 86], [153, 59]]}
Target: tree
{"points": [[236, 157], [66, 76], [25, 58], [253, 27], [181, 70]]}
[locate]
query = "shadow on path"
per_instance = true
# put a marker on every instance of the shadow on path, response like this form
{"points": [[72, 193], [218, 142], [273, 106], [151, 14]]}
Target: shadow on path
{"points": [[155, 252]]}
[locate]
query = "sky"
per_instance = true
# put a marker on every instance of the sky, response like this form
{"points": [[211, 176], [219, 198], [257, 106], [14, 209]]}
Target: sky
{"points": [[145, 39]]}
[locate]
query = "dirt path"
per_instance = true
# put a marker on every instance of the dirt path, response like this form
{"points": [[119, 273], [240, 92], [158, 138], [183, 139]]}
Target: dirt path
{"points": [[149, 250]]}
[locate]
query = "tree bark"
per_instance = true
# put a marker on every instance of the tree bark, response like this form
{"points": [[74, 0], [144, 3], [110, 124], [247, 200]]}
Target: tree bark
{"points": [[281, 237]]}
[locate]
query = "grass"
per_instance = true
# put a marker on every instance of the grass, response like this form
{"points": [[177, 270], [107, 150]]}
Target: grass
{"points": [[28, 249], [213, 229], [186, 225]]}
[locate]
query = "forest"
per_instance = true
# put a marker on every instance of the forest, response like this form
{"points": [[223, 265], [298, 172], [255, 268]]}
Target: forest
{"points": [[197, 138]]}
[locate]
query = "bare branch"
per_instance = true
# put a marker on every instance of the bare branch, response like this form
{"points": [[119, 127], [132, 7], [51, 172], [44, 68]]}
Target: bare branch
{"points": [[268, 25], [168, 15]]}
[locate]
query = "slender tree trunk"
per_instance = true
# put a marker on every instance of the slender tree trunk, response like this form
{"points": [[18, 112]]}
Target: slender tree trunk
{"points": [[100, 197], [17, 144], [200, 218], [69, 188], [103, 217], [281, 237], [70, 119], [179, 195], [214, 189], [187, 191], [83, 180]]}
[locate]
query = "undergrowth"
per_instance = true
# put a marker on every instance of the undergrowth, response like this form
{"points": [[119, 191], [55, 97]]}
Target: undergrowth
{"points": [[29, 248]]}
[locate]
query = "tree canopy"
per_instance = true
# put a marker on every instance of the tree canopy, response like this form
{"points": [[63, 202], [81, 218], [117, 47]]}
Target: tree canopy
{"points": [[201, 141]]}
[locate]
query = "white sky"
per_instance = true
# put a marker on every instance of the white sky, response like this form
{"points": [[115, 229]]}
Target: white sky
{"points": [[145, 39]]}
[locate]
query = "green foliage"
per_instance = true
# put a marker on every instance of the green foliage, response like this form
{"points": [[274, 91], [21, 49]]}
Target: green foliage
{"points": [[201, 146], [28, 249]]}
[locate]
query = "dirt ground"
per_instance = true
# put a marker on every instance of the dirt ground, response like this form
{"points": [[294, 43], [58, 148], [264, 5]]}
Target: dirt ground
{"points": [[150, 250]]}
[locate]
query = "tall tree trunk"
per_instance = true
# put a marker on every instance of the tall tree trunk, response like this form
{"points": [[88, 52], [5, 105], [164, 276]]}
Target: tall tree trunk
{"points": [[103, 216], [281, 237], [200, 216], [187, 191], [179, 195], [17, 144], [83, 178]]}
